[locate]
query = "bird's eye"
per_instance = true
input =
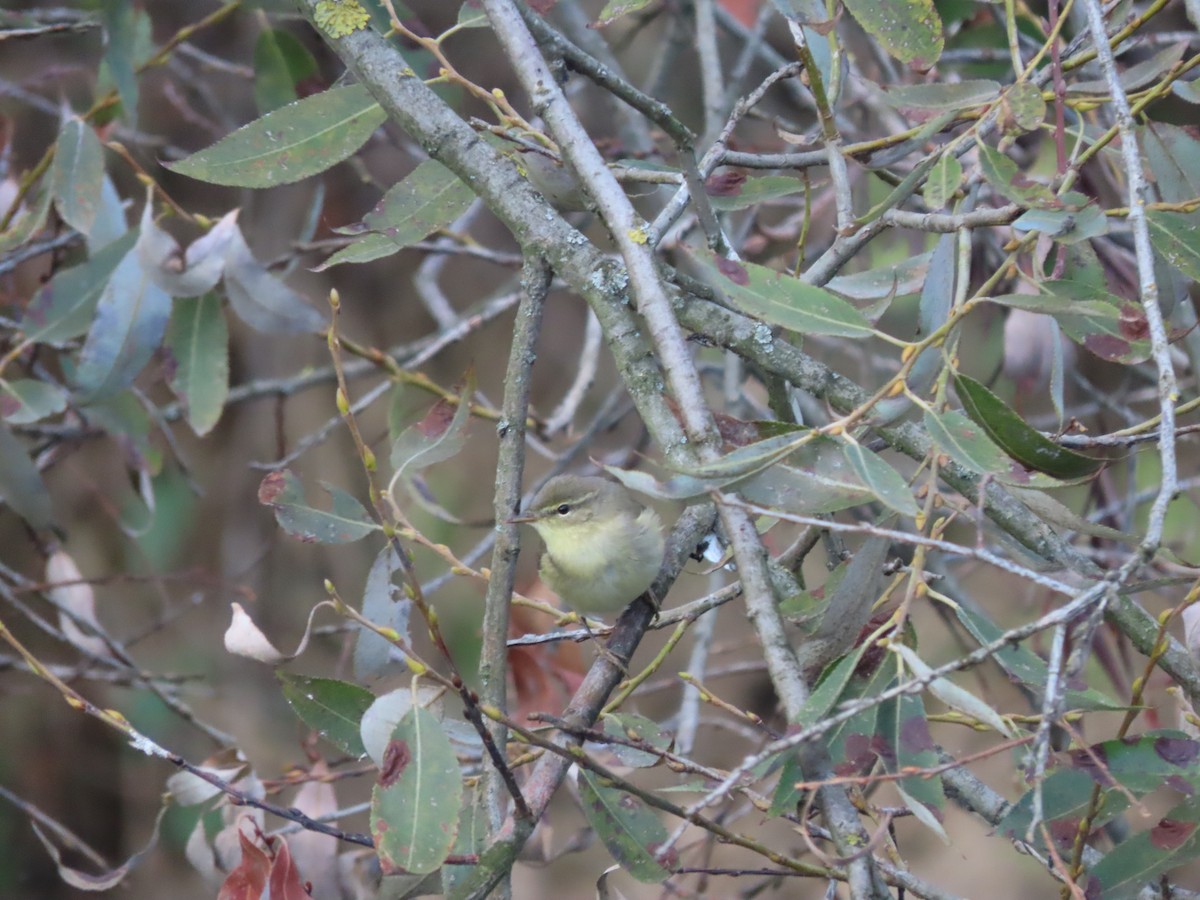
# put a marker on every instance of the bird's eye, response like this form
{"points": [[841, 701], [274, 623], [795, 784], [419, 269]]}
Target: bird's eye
{"points": [[563, 509]]}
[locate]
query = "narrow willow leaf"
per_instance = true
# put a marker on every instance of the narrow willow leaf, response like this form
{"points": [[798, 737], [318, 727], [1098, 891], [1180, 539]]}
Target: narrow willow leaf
{"points": [[1013, 184], [882, 480], [367, 248], [415, 806], [281, 62], [910, 30], [21, 485], [131, 318], [64, 307], [944, 179], [1136, 76], [630, 830], [954, 696], [743, 461], [437, 437], [429, 198], [120, 30], [780, 299], [77, 175], [25, 400], [1071, 225], [1103, 324], [969, 445], [1066, 796], [192, 273], [1144, 857], [631, 726], [347, 521], [888, 282], [198, 365], [290, 144], [1024, 666], [471, 839], [754, 191], [329, 707], [1024, 444], [28, 223], [1177, 238], [956, 95], [384, 603], [615, 9], [260, 299], [905, 745]]}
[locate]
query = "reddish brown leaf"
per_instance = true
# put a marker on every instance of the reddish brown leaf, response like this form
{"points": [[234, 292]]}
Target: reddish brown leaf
{"points": [[249, 879], [285, 880]]}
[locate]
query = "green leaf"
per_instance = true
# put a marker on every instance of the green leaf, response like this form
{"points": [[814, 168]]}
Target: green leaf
{"points": [[1025, 667], [615, 9], [367, 248], [631, 726], [955, 95], [751, 458], [437, 437], [77, 174], [1024, 444], [780, 299], [64, 307], [329, 707], [280, 63], [1177, 238], [198, 343], [429, 198], [944, 179], [346, 522], [630, 830], [26, 400], [969, 445], [1066, 797], [754, 191], [415, 805], [1014, 185], [1103, 324], [131, 317], [1067, 226], [471, 839], [120, 32], [1139, 860], [882, 480], [472, 15], [909, 30], [1022, 108], [21, 485], [384, 603], [290, 144], [905, 744], [25, 225]]}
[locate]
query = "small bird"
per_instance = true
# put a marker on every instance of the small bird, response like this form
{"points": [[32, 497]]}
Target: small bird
{"points": [[603, 546]]}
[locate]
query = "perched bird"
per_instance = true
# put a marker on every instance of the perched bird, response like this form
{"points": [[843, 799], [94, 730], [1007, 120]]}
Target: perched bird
{"points": [[603, 546]]}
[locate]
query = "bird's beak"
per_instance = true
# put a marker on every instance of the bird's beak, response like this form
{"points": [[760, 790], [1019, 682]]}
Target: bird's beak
{"points": [[525, 519]]}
